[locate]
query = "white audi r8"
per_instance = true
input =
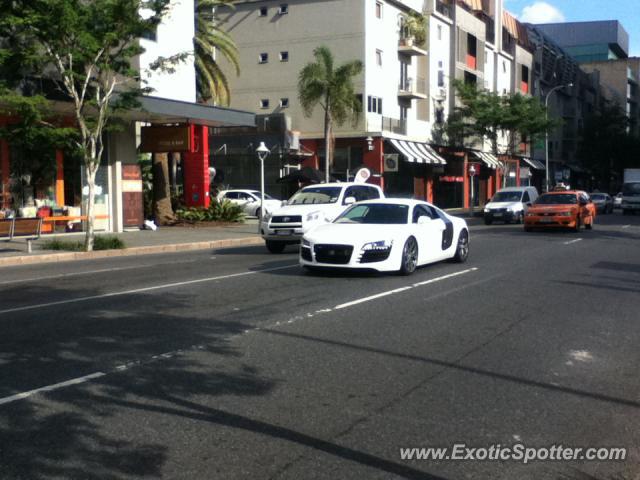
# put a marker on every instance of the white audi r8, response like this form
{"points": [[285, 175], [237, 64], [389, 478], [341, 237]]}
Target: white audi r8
{"points": [[386, 235]]}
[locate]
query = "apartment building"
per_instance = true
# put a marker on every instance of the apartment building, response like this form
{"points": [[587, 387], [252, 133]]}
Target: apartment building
{"points": [[405, 86]]}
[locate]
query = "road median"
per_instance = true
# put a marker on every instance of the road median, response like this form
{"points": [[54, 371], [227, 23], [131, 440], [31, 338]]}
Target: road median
{"points": [[36, 258]]}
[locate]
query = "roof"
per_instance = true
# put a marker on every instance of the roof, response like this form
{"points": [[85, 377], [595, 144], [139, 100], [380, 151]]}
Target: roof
{"points": [[395, 201], [338, 184]]}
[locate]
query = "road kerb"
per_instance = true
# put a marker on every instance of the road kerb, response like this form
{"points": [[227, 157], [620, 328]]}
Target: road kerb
{"points": [[126, 252]]}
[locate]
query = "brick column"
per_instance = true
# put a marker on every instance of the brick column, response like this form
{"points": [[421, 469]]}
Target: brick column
{"points": [[465, 176], [59, 178], [196, 169], [374, 160], [429, 188]]}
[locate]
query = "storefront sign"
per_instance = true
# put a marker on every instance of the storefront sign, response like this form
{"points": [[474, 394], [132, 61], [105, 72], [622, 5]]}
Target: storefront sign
{"points": [[451, 179], [132, 197], [165, 139]]}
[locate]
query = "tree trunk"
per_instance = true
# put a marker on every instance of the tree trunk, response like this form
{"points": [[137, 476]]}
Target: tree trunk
{"points": [[162, 209], [327, 145], [91, 184]]}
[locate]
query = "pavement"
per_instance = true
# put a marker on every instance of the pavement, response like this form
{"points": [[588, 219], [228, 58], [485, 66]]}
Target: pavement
{"points": [[235, 364], [146, 242]]}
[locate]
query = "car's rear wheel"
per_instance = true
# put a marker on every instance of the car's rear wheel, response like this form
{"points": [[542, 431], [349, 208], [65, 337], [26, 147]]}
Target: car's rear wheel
{"points": [[274, 246], [462, 249], [409, 261]]}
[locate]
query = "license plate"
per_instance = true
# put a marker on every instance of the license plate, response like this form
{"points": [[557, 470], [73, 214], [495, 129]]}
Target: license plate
{"points": [[284, 232], [546, 220], [497, 214]]}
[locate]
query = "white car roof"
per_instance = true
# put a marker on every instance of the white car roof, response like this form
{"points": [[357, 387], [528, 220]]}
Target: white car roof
{"points": [[396, 201], [339, 184]]}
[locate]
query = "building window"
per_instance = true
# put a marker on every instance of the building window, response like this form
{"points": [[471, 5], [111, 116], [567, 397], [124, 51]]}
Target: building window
{"points": [[264, 103], [284, 9], [472, 52], [284, 56], [504, 67], [379, 58], [284, 103], [151, 35], [264, 11], [439, 32], [263, 58], [378, 9], [374, 104], [441, 78]]}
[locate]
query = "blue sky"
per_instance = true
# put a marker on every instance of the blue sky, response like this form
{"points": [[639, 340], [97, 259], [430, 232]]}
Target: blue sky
{"points": [[547, 11]]}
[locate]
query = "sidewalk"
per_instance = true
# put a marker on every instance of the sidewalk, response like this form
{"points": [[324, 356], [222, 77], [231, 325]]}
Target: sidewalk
{"points": [[165, 239]]}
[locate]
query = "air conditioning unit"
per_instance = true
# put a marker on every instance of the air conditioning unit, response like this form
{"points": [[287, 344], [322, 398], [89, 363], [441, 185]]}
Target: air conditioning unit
{"points": [[391, 162], [441, 94]]}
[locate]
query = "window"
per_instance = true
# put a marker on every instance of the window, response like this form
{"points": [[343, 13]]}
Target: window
{"points": [[232, 195], [284, 56], [403, 112], [423, 211], [264, 11], [263, 58], [151, 35], [379, 58], [378, 9], [439, 32], [525, 198], [441, 78], [264, 103], [504, 67], [374, 104], [284, 9], [284, 103]]}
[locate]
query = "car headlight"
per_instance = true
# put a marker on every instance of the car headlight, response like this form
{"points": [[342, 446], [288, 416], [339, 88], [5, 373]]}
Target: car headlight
{"points": [[486, 210], [306, 243], [532, 214], [267, 216], [314, 216], [379, 245], [564, 214]]}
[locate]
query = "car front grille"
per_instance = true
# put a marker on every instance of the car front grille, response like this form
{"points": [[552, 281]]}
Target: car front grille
{"points": [[372, 256], [287, 219], [333, 254]]}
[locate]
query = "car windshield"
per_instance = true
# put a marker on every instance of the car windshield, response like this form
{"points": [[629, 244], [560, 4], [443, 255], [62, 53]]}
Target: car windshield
{"points": [[375, 213], [598, 196], [631, 189], [266, 196], [507, 197], [557, 199], [316, 195]]}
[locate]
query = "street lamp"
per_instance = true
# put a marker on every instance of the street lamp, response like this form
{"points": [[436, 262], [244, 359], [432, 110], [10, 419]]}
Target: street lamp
{"points": [[546, 132], [262, 152]]}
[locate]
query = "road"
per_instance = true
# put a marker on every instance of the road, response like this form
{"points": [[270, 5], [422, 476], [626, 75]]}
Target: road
{"points": [[235, 364]]}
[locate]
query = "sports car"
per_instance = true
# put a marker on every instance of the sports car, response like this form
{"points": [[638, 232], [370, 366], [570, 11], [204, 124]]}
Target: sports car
{"points": [[386, 235]]}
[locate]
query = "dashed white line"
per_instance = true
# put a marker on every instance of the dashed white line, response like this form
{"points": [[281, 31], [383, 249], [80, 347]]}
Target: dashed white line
{"points": [[573, 241], [140, 290], [50, 388], [626, 226]]}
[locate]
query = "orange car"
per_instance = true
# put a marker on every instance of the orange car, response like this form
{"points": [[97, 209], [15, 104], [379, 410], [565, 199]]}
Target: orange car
{"points": [[561, 209]]}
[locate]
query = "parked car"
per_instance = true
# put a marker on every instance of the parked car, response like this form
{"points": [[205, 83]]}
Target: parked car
{"points": [[249, 200], [312, 206], [603, 202], [386, 235], [561, 209], [509, 204], [617, 200]]}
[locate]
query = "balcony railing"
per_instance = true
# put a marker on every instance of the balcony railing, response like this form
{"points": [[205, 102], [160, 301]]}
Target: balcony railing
{"points": [[444, 8], [413, 88], [394, 125]]}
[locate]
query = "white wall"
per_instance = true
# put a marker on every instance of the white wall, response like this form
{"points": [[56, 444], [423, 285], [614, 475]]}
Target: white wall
{"points": [[505, 68], [439, 59], [174, 36], [489, 69]]}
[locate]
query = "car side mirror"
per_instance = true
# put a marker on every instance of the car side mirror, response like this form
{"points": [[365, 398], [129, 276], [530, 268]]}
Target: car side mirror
{"points": [[349, 200], [422, 220]]}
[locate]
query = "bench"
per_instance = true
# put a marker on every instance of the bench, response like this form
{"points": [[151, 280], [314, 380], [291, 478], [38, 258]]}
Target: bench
{"points": [[26, 228]]}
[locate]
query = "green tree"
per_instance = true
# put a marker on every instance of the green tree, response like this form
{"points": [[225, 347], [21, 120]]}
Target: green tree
{"points": [[321, 83], [210, 39], [87, 49]]}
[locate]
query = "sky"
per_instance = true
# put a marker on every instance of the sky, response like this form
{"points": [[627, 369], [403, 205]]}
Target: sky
{"points": [[627, 12]]}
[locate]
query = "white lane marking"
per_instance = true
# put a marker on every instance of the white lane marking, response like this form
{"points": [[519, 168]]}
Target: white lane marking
{"points": [[50, 388], [403, 289], [92, 272], [572, 241], [626, 226], [141, 290]]}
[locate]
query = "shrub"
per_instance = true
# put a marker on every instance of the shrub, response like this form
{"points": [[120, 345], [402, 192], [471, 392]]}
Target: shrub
{"points": [[101, 242], [224, 211]]}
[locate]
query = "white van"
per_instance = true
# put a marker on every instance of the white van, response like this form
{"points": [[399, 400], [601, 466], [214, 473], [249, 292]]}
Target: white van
{"points": [[510, 204]]}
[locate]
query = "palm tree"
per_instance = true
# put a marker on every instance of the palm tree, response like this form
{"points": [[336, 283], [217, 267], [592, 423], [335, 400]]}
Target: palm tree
{"points": [[211, 82], [333, 89]]}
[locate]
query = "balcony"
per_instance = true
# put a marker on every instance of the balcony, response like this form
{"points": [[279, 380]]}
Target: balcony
{"points": [[444, 8], [407, 46], [394, 125], [412, 88]]}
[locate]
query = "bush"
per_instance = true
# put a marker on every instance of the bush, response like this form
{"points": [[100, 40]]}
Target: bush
{"points": [[224, 211], [105, 242]]}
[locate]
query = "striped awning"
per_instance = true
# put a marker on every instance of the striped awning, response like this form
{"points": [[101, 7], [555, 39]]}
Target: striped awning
{"points": [[488, 159], [510, 24], [537, 164], [417, 152]]}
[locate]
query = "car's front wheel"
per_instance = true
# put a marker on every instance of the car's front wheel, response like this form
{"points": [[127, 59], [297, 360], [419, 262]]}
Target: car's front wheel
{"points": [[462, 250], [274, 246], [409, 261]]}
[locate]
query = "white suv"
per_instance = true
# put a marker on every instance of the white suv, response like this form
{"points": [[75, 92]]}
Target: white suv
{"points": [[312, 206]]}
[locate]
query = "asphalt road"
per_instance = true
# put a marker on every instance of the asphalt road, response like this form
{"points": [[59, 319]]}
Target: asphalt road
{"points": [[235, 364]]}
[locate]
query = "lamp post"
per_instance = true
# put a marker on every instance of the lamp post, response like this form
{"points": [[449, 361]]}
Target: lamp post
{"points": [[546, 132], [472, 173], [262, 152]]}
